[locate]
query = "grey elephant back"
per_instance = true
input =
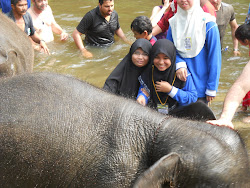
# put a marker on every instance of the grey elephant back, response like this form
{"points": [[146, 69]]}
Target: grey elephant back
{"points": [[57, 131], [16, 51], [69, 134]]}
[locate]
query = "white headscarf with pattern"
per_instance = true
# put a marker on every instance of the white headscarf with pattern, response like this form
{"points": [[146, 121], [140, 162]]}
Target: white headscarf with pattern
{"points": [[189, 29]]}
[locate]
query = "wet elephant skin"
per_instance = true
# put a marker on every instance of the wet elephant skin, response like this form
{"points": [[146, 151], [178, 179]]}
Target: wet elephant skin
{"points": [[57, 131]]}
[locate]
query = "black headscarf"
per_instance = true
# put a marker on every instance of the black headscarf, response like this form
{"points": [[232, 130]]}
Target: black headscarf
{"points": [[124, 78], [166, 47]]}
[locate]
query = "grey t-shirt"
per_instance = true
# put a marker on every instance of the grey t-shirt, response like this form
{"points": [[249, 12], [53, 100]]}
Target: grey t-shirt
{"points": [[223, 16], [29, 28]]}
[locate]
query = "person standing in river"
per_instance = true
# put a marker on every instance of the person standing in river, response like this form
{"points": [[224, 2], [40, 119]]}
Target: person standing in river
{"points": [[99, 26], [44, 21], [225, 15], [23, 20]]}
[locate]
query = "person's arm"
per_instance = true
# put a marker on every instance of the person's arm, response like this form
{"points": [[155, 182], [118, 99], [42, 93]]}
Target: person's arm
{"points": [[36, 38], [121, 35], [186, 95], [234, 26], [143, 96], [213, 51], [233, 98], [157, 13], [181, 66], [54, 26], [78, 41], [58, 30], [156, 30]]}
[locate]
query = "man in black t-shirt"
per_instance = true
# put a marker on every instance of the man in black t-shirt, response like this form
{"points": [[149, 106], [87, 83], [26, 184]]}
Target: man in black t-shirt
{"points": [[99, 26]]}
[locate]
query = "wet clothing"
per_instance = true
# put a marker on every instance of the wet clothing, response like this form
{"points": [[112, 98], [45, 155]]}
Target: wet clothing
{"points": [[182, 93], [206, 66], [29, 28], [224, 15], [98, 31], [123, 80]]}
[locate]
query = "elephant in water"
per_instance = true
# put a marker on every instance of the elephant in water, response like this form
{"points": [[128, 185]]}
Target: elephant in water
{"points": [[16, 51], [57, 131]]}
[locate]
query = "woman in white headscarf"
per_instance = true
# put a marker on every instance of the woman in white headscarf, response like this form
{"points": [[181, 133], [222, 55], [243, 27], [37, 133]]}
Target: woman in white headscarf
{"points": [[196, 37]]}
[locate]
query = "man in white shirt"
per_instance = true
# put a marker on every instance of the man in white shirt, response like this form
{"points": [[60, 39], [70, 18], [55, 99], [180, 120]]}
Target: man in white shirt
{"points": [[44, 21]]}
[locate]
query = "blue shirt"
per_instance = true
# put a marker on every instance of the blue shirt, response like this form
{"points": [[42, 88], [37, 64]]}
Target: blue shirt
{"points": [[6, 5], [206, 66]]}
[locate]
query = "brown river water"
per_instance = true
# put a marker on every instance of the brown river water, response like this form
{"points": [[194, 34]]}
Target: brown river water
{"points": [[66, 59]]}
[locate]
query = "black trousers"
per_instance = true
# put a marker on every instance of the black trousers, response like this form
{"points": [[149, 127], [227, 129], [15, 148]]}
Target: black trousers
{"points": [[196, 111]]}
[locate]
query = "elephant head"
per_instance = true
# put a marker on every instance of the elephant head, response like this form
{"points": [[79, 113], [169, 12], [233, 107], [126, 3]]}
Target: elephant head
{"points": [[215, 158], [16, 51]]}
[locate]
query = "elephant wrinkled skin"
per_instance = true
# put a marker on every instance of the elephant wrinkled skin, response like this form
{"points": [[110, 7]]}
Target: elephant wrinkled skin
{"points": [[57, 131], [16, 51]]}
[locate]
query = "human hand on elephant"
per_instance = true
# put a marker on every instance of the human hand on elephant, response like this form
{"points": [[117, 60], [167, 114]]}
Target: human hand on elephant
{"points": [[222, 122], [141, 100]]}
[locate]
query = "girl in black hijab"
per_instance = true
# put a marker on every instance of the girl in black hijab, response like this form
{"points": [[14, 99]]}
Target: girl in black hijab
{"points": [[124, 78], [163, 89]]}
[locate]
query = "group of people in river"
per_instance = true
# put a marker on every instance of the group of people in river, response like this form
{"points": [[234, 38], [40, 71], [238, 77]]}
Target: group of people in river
{"points": [[174, 64]]}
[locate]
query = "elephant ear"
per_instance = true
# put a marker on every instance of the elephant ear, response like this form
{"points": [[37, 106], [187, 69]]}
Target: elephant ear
{"points": [[164, 170]]}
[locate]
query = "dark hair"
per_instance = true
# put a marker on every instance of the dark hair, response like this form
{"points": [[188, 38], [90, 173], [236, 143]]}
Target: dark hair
{"points": [[101, 1], [142, 23], [14, 2], [162, 2], [243, 32]]}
